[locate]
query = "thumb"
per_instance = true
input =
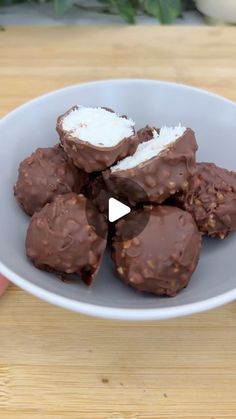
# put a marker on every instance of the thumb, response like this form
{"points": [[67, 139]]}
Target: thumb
{"points": [[3, 284]]}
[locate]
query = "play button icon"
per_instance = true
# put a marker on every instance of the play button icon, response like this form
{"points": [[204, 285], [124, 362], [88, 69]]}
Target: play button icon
{"points": [[115, 202], [117, 210]]}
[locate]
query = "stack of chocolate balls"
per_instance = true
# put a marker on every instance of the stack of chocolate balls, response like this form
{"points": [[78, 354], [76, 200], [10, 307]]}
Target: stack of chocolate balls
{"points": [[66, 188]]}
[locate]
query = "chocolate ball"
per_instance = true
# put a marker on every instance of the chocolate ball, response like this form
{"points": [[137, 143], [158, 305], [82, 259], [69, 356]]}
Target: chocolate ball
{"points": [[211, 199], [162, 258], [48, 172], [60, 239], [98, 193], [95, 138], [158, 176]]}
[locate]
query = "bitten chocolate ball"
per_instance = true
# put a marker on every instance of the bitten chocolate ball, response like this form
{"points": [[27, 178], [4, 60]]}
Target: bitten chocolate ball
{"points": [[60, 239], [95, 138], [211, 199], [160, 166], [162, 258], [45, 174]]}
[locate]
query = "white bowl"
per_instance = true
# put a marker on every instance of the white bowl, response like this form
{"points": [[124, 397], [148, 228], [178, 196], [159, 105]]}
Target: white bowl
{"points": [[32, 125], [220, 10]]}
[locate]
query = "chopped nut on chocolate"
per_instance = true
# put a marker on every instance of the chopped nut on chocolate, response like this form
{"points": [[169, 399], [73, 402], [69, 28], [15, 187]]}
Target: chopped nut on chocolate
{"points": [[146, 133]]}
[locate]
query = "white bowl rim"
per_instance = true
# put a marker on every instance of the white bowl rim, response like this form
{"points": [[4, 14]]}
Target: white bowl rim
{"points": [[113, 312]]}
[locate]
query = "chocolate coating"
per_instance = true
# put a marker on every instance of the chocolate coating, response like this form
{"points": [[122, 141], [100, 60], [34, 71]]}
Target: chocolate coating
{"points": [[93, 158], [60, 239], [97, 192], [162, 258], [211, 199], [45, 174], [163, 175]]}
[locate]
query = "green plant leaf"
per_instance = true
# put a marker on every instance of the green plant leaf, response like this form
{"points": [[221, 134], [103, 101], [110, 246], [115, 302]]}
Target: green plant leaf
{"points": [[152, 7], [10, 2], [170, 10], [188, 4], [61, 6], [166, 11], [125, 9], [135, 3]]}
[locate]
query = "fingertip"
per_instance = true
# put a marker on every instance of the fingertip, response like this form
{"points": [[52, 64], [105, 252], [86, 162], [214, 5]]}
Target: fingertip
{"points": [[3, 284]]}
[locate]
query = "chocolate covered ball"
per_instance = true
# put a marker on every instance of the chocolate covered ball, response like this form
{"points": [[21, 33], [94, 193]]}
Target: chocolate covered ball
{"points": [[95, 138], [60, 239], [162, 258], [48, 172], [161, 166], [211, 199], [97, 192]]}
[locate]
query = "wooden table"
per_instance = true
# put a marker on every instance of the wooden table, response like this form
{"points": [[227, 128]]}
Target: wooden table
{"points": [[57, 365]]}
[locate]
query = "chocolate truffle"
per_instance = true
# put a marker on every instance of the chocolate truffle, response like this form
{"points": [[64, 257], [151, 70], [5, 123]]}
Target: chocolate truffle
{"points": [[60, 239], [97, 192], [45, 174], [162, 258], [211, 199], [95, 138], [161, 166]]}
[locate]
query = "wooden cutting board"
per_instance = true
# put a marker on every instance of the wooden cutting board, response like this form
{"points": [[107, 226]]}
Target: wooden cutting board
{"points": [[57, 365]]}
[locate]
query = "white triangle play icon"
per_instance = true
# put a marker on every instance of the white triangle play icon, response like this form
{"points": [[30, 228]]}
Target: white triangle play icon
{"points": [[116, 209]]}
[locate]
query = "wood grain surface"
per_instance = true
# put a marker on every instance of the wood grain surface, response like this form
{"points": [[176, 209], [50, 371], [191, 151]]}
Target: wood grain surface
{"points": [[57, 365]]}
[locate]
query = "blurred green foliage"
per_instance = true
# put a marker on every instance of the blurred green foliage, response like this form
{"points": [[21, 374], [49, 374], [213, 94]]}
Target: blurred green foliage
{"points": [[166, 11]]}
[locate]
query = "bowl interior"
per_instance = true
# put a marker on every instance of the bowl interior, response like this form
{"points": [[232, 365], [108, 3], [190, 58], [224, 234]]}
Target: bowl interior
{"points": [[155, 103]]}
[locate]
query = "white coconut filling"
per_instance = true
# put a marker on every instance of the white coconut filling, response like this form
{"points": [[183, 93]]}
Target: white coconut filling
{"points": [[151, 148], [97, 126]]}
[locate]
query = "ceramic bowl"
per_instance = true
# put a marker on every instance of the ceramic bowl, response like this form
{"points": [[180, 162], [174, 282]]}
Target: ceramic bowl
{"points": [[146, 101], [219, 11]]}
